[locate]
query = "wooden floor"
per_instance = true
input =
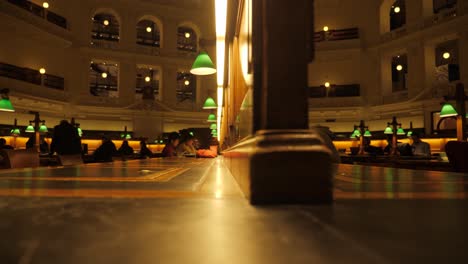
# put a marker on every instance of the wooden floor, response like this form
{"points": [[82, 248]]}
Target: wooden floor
{"points": [[187, 210]]}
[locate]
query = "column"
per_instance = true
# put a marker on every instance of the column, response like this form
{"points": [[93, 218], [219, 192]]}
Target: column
{"points": [[127, 83], [169, 81], [169, 47], [416, 69]]}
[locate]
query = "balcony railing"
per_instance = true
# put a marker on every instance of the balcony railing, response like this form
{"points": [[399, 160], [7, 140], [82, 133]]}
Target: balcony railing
{"points": [[41, 12], [337, 34], [349, 90], [31, 76]]}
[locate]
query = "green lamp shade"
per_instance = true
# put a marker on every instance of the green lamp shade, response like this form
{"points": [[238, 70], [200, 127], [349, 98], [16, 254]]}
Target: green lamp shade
{"points": [[191, 133], [210, 104], [356, 133], [80, 132], [448, 110], [214, 131], [5, 105], [214, 135], [401, 132], [409, 133], [368, 133], [203, 65], [43, 129], [388, 131], [213, 126], [30, 129], [161, 141], [211, 118], [15, 132], [128, 136]]}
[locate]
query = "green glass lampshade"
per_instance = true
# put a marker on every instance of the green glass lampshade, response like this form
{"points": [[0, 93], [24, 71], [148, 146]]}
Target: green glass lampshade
{"points": [[128, 136], [368, 133], [401, 132], [80, 132], [388, 131], [409, 133], [357, 133], [191, 133], [29, 129], [15, 132], [213, 126], [43, 129], [214, 135], [6, 106], [210, 104], [211, 118], [161, 141], [448, 110], [214, 131], [203, 65]]}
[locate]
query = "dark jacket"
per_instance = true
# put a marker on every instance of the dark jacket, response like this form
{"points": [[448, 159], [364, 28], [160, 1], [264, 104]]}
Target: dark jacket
{"points": [[105, 151], [66, 140]]}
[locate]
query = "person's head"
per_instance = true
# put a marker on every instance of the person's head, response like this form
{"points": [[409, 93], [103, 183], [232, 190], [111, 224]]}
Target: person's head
{"points": [[416, 137], [2, 142], [143, 143], [104, 139], [125, 143], [174, 139], [189, 140], [64, 123]]}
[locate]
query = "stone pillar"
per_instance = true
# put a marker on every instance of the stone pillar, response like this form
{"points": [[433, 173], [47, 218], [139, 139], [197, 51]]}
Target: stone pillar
{"points": [[169, 81], [127, 83], [169, 47], [416, 69]]}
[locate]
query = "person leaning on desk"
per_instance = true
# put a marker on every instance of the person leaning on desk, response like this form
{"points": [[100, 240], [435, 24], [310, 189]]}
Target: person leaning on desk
{"points": [[419, 147]]}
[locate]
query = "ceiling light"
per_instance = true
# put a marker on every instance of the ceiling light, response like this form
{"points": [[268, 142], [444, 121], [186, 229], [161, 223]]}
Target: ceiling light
{"points": [[187, 35], [397, 9], [325, 28], [148, 29], [147, 79], [399, 67], [104, 75], [446, 55], [187, 82], [203, 65], [45, 5], [106, 22], [327, 84], [42, 71]]}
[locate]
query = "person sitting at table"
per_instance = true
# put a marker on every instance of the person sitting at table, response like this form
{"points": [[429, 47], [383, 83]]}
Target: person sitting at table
{"points": [[105, 152], [125, 149], [420, 148], [170, 148], [145, 152], [31, 142], [44, 147], [3, 144], [65, 140], [186, 146], [373, 150]]}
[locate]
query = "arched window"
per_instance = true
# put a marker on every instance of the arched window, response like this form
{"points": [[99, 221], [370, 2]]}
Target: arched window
{"points": [[187, 39], [105, 27], [186, 87], [148, 33], [147, 82], [103, 79], [398, 15], [399, 73]]}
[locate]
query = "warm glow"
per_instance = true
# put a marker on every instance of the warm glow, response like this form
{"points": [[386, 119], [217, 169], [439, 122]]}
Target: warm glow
{"points": [[106, 22], [325, 28], [42, 71], [187, 82], [187, 35], [147, 79], [45, 5], [399, 67], [327, 84], [221, 18], [148, 29], [446, 55], [104, 75], [397, 9]]}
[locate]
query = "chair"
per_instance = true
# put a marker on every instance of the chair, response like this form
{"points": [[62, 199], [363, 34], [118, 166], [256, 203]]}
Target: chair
{"points": [[457, 153]]}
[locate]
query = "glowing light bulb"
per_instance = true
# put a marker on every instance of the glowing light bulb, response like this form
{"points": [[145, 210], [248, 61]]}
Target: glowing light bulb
{"points": [[397, 9], [104, 75], [147, 79], [399, 67], [187, 82], [327, 84], [42, 71], [106, 22], [45, 5], [148, 29], [187, 35], [446, 55], [325, 28]]}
